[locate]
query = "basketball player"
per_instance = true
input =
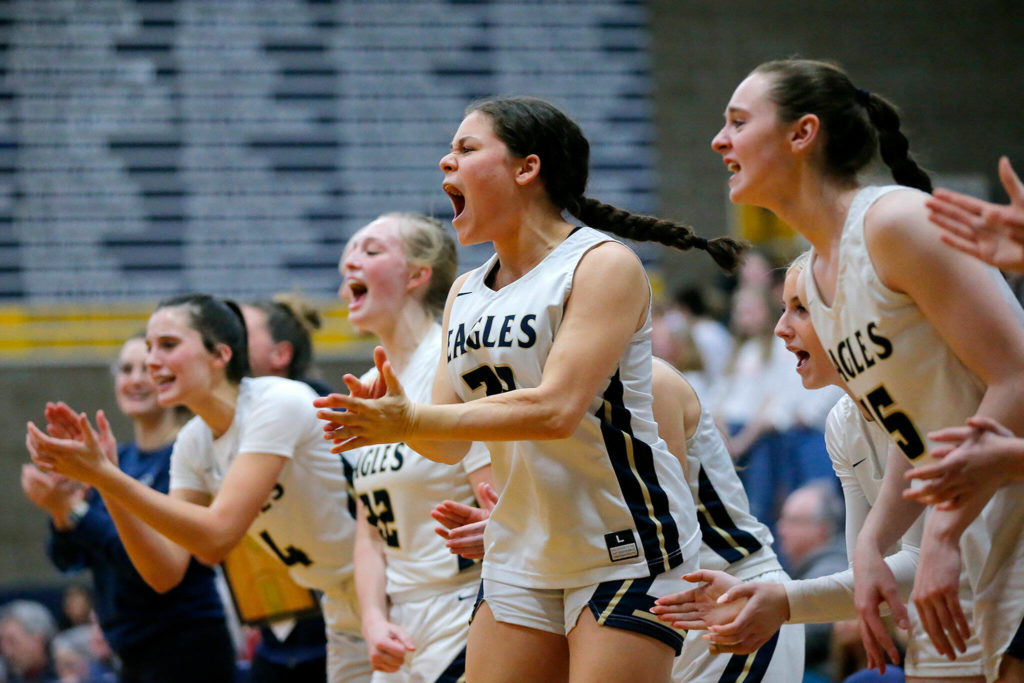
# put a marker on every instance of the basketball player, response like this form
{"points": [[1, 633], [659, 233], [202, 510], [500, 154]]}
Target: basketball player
{"points": [[859, 450], [415, 597], [547, 358], [252, 461], [899, 314]]}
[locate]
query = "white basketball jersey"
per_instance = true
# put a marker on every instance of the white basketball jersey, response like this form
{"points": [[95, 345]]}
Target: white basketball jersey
{"points": [[607, 503], [399, 488], [901, 370], [733, 540], [889, 354], [305, 522]]}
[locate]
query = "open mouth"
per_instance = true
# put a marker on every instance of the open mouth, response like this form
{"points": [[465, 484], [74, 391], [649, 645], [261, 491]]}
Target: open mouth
{"points": [[458, 201], [357, 292], [802, 357]]}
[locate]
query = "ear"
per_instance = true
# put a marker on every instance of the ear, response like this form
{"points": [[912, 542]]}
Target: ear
{"points": [[221, 355], [418, 276], [529, 169], [804, 132], [281, 355]]}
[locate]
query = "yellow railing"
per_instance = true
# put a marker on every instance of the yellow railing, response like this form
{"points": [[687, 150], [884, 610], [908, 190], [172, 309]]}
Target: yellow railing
{"points": [[72, 332]]}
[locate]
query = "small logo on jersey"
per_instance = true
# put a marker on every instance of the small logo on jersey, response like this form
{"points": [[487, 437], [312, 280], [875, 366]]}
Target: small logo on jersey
{"points": [[462, 294], [621, 545], [858, 462]]}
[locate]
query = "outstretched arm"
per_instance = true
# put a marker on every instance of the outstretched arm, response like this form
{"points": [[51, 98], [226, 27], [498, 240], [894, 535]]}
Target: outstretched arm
{"points": [[209, 533], [593, 334]]}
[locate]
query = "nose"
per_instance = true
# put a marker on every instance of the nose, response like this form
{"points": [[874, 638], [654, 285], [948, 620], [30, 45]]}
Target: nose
{"points": [[447, 162], [783, 329], [720, 142]]}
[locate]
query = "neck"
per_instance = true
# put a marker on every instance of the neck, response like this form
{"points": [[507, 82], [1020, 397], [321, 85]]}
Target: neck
{"points": [[817, 209], [401, 339], [526, 246], [217, 408], [155, 431]]}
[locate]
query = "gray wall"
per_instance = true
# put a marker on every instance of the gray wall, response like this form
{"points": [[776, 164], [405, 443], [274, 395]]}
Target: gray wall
{"points": [[955, 68]]}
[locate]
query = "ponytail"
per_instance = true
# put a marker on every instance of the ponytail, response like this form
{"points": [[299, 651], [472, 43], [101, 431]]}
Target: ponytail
{"points": [[725, 251]]}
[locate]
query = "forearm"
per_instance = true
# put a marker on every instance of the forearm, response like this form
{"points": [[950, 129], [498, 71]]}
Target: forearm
{"points": [[370, 569], [196, 528], [829, 598], [891, 515], [161, 563], [520, 415]]}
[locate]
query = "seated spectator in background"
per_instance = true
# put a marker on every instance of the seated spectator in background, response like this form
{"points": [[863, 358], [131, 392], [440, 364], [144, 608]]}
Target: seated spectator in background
{"points": [[812, 545], [74, 658], [77, 605], [26, 629]]}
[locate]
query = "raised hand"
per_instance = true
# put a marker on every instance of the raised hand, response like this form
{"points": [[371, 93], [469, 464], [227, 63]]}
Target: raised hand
{"points": [[363, 418], [77, 454], [51, 492], [990, 232]]}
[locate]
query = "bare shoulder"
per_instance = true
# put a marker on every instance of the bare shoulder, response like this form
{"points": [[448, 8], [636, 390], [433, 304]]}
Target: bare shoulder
{"points": [[902, 243], [611, 259]]}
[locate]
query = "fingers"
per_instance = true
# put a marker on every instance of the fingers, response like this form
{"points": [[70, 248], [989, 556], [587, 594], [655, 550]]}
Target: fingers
{"points": [[1011, 182], [332, 401], [985, 423], [487, 495], [951, 434], [699, 576]]}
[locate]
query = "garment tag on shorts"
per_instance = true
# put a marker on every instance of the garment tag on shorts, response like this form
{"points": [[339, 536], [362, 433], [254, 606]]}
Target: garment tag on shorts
{"points": [[621, 545]]}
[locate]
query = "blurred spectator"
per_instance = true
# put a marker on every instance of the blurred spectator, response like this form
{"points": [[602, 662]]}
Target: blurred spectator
{"points": [[26, 629], [74, 659], [812, 545], [77, 605], [672, 341], [745, 401], [711, 338]]}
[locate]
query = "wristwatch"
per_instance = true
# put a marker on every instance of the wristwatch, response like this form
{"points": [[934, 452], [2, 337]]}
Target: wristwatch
{"points": [[78, 511]]}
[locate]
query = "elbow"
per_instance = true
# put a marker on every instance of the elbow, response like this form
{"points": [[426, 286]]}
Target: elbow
{"points": [[163, 582], [216, 553], [561, 422]]}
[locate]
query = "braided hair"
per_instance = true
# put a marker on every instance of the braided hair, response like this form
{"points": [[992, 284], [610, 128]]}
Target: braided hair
{"points": [[856, 123], [529, 125]]}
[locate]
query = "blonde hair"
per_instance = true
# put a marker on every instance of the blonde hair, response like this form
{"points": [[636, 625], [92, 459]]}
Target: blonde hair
{"points": [[427, 243]]}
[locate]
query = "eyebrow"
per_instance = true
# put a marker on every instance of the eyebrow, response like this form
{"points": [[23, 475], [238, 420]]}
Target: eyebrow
{"points": [[733, 110], [460, 141]]}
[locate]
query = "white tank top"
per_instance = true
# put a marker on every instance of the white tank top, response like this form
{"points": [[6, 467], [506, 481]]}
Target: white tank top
{"points": [[892, 358], [609, 502]]}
